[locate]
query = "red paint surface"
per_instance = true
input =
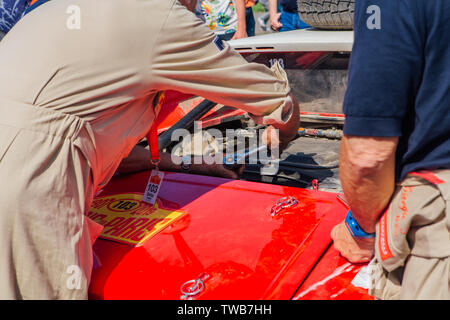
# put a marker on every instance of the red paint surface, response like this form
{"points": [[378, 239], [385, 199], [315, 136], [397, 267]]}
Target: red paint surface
{"points": [[332, 279], [227, 232]]}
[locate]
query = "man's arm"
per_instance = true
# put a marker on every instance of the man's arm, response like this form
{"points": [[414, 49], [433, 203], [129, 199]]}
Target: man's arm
{"points": [[287, 131], [188, 59], [139, 160], [241, 31], [367, 173]]}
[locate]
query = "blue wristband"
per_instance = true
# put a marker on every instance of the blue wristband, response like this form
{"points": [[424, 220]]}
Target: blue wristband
{"points": [[354, 228]]}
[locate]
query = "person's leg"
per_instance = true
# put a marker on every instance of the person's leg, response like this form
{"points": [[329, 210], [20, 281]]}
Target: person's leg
{"points": [[286, 21], [250, 22], [291, 21], [298, 23], [412, 237]]}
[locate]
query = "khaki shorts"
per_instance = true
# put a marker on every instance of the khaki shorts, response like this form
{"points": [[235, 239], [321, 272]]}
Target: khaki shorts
{"points": [[413, 240]]}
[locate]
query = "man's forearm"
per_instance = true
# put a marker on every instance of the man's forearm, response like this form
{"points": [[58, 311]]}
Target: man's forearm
{"points": [[273, 8], [367, 173], [139, 160]]}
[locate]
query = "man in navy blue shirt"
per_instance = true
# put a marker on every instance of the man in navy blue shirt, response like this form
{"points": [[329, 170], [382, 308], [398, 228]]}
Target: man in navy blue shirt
{"points": [[395, 156], [288, 18]]}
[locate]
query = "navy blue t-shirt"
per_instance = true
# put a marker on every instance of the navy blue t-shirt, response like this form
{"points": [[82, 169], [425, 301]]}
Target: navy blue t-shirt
{"points": [[289, 5], [399, 79]]}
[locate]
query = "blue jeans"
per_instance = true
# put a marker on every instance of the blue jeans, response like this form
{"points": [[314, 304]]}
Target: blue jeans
{"points": [[250, 22], [291, 21]]}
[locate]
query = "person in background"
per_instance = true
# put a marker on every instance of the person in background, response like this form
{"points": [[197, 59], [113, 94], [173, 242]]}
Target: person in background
{"points": [[286, 20], [249, 17], [226, 18]]}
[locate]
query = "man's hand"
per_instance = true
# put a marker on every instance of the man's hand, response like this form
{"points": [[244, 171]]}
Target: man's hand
{"points": [[239, 34], [271, 138], [275, 23], [355, 250], [286, 132]]}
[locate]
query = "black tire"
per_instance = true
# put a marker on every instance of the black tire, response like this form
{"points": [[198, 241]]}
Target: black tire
{"points": [[327, 14]]}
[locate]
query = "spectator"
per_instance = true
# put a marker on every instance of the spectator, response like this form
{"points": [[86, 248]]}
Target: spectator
{"points": [[286, 20], [226, 18], [249, 17]]}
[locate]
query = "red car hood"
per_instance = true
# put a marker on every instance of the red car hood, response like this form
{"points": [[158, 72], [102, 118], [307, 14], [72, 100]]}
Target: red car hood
{"points": [[215, 230]]}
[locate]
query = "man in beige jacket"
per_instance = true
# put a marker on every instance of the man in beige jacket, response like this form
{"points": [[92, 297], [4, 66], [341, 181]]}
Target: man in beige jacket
{"points": [[78, 85]]}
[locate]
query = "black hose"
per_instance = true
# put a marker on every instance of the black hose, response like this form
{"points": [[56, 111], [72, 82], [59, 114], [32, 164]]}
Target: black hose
{"points": [[298, 180], [307, 166], [293, 166]]}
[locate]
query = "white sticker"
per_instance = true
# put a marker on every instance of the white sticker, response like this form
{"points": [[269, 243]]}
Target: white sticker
{"points": [[153, 186], [363, 278]]}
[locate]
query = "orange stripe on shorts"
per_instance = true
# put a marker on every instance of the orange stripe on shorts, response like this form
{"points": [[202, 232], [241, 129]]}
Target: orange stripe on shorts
{"points": [[383, 242], [429, 176]]}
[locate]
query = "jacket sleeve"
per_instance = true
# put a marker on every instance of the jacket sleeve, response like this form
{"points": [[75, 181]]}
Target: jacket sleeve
{"points": [[189, 58]]}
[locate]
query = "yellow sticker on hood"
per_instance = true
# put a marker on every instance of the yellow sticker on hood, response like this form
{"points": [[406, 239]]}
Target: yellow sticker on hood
{"points": [[127, 219]]}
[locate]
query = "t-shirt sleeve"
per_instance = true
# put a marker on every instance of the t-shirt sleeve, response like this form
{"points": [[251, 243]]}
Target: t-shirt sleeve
{"points": [[385, 67], [189, 58]]}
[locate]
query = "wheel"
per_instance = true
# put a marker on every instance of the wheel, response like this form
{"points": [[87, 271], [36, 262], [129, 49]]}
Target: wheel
{"points": [[327, 14]]}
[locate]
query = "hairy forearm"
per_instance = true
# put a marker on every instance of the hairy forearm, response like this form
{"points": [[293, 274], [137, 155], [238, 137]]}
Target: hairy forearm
{"points": [[367, 173], [139, 160]]}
